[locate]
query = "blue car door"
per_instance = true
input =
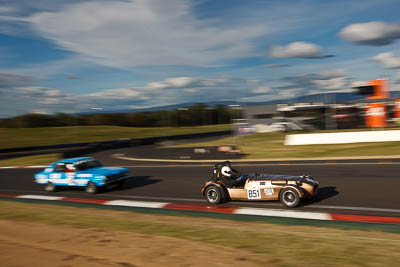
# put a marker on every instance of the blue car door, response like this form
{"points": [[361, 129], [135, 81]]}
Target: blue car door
{"points": [[63, 175], [82, 177]]}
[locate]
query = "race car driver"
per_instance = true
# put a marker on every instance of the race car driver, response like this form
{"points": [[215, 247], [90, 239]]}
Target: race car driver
{"points": [[232, 177]]}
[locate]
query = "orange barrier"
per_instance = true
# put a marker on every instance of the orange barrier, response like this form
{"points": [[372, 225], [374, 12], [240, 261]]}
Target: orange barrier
{"points": [[375, 115], [397, 108], [381, 89]]}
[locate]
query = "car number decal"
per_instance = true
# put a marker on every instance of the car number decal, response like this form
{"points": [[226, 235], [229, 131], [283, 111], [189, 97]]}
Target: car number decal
{"points": [[253, 194]]}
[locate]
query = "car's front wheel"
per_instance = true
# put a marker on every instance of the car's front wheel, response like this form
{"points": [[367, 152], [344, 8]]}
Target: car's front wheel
{"points": [[50, 187], [92, 188], [289, 197], [213, 195]]}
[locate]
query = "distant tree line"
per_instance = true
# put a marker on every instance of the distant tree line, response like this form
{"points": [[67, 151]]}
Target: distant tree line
{"points": [[196, 115]]}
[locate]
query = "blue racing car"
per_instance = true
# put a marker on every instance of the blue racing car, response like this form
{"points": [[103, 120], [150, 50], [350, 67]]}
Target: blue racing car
{"points": [[80, 172]]}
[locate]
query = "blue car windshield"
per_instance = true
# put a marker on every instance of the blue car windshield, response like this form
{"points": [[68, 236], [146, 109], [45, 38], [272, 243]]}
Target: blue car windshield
{"points": [[88, 165]]}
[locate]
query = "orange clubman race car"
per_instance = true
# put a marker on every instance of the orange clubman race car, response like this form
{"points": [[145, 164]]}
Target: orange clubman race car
{"points": [[227, 184]]}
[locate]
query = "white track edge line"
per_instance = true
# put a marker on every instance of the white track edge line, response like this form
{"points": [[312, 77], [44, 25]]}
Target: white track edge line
{"points": [[41, 197], [139, 204], [284, 213]]}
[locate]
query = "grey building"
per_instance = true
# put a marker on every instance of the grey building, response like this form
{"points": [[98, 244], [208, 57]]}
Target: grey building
{"points": [[260, 114]]}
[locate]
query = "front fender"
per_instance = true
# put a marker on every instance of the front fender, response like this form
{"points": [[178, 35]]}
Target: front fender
{"points": [[99, 180]]}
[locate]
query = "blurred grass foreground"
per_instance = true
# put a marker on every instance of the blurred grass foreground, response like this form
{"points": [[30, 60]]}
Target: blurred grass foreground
{"points": [[275, 242]]}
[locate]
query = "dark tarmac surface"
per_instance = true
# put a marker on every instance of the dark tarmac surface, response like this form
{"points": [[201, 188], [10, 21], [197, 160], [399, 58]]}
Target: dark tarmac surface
{"points": [[367, 188]]}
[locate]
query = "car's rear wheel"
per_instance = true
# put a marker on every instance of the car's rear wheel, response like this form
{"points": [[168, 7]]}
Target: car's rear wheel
{"points": [[213, 195], [92, 188], [289, 197], [50, 187]]}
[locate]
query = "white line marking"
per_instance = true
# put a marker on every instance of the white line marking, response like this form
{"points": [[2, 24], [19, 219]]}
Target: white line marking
{"points": [[270, 204], [39, 197], [353, 208], [284, 213], [20, 191], [140, 204], [160, 198], [37, 166]]}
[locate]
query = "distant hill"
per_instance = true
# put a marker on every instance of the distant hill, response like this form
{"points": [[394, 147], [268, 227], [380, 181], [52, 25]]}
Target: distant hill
{"points": [[166, 107]]}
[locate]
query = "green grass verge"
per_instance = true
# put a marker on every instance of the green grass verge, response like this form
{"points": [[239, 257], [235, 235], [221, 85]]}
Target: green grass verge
{"points": [[271, 146], [31, 160], [23, 137], [289, 245]]}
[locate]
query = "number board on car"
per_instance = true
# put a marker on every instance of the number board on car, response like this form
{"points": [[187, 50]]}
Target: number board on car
{"points": [[253, 194]]}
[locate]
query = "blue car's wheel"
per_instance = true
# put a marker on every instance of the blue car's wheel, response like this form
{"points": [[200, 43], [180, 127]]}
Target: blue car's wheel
{"points": [[92, 188], [50, 187]]}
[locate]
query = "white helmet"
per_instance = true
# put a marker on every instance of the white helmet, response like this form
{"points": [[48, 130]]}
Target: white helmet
{"points": [[226, 171]]}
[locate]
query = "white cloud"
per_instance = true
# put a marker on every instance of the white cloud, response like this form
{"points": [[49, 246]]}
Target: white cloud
{"points": [[176, 82], [358, 83], [332, 79], [371, 33], [52, 67], [326, 81], [338, 83], [11, 80], [295, 50], [7, 9], [185, 82], [396, 78], [388, 60], [144, 32], [44, 96], [115, 94], [31, 91], [261, 90], [177, 90], [333, 73], [158, 93], [180, 81]]}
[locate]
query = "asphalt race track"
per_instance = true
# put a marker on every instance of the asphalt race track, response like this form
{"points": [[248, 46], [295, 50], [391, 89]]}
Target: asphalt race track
{"points": [[357, 188]]}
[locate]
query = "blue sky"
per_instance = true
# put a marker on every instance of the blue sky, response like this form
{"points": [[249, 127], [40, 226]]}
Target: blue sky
{"points": [[72, 55]]}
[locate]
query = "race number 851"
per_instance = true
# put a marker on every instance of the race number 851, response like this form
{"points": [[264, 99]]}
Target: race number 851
{"points": [[253, 194]]}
